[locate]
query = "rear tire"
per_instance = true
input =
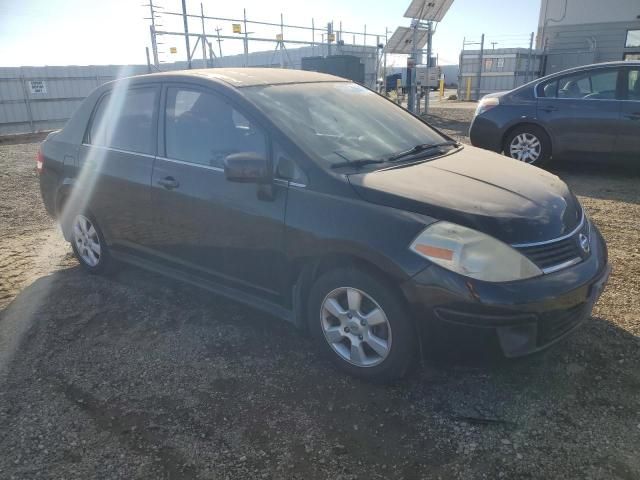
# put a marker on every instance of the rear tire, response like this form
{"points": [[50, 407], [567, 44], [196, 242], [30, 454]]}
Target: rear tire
{"points": [[529, 144], [362, 325], [88, 244]]}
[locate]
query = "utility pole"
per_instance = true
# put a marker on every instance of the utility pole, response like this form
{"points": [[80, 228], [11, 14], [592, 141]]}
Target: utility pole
{"points": [[384, 68], [152, 31], [246, 39], [186, 32], [493, 45], [480, 68], [219, 41], [204, 38], [411, 67], [329, 33], [375, 83], [148, 60], [211, 54], [429, 34], [281, 41], [154, 45]]}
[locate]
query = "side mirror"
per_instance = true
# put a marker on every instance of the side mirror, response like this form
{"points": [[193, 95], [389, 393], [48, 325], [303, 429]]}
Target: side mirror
{"points": [[246, 167]]}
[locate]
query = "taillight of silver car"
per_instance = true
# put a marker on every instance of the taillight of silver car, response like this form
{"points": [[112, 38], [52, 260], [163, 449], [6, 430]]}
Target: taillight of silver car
{"points": [[486, 104]]}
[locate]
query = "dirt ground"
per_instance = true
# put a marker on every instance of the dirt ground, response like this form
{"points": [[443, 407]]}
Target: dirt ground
{"points": [[132, 376]]}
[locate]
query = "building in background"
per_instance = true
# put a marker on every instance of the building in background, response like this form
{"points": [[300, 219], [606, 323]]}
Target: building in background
{"points": [[496, 70], [579, 32]]}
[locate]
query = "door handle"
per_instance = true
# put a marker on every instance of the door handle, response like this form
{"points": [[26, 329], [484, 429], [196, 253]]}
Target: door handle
{"points": [[633, 116], [549, 109], [169, 183]]}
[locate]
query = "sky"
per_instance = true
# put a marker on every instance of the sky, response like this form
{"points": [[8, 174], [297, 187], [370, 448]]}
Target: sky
{"points": [[97, 32]]}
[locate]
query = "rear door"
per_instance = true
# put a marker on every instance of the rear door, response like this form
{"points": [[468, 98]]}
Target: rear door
{"points": [[116, 161], [581, 111], [628, 142], [202, 222]]}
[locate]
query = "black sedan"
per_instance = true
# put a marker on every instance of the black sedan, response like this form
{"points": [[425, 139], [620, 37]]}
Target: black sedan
{"points": [[324, 203], [585, 113]]}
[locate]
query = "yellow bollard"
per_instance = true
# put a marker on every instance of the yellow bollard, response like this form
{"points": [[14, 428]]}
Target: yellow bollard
{"points": [[468, 88], [441, 88]]}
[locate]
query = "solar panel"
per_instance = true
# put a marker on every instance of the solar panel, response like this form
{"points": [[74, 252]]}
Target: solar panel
{"points": [[401, 40], [428, 10]]}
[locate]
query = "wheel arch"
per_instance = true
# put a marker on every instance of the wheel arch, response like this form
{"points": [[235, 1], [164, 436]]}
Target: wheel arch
{"points": [[308, 270], [66, 191]]}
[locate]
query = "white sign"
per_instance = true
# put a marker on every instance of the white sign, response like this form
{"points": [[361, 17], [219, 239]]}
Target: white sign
{"points": [[37, 86]]}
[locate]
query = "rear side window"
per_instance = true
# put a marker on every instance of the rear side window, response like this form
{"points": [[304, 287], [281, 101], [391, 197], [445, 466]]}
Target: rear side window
{"points": [[125, 121], [204, 128], [633, 85], [599, 85]]}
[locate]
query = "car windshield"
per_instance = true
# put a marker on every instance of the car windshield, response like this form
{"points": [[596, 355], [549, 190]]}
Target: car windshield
{"points": [[341, 121]]}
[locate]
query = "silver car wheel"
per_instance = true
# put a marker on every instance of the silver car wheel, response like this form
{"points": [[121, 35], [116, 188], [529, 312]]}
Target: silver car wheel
{"points": [[355, 327], [525, 147], [86, 240]]}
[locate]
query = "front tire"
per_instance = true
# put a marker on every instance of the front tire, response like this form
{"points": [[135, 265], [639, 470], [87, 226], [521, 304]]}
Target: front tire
{"points": [[529, 144], [88, 244], [362, 325]]}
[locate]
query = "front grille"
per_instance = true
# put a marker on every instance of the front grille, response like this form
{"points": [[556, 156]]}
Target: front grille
{"points": [[555, 324], [549, 256]]}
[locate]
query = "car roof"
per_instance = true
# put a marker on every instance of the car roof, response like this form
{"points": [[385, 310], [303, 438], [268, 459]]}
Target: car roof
{"points": [[619, 63], [248, 77]]}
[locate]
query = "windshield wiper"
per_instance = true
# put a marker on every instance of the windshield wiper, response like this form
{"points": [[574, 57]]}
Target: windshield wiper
{"points": [[357, 163], [421, 148]]}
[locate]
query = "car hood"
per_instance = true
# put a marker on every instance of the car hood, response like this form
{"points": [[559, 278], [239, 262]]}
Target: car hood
{"points": [[504, 198]]}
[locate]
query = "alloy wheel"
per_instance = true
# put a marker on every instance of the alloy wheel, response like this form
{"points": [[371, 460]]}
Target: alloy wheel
{"points": [[525, 147], [355, 327], [86, 240]]}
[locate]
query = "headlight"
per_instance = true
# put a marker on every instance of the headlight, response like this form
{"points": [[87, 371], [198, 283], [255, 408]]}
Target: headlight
{"points": [[472, 253], [486, 103]]}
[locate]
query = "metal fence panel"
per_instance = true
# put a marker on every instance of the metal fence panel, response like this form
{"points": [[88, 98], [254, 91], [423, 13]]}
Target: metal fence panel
{"points": [[43, 98]]}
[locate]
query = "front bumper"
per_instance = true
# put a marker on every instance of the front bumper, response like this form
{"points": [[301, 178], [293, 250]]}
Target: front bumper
{"points": [[485, 133], [523, 317]]}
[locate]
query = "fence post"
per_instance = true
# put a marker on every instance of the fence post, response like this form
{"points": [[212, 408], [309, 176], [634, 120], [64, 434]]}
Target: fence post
{"points": [[186, 32], [204, 38], [526, 75], [27, 102], [480, 67]]}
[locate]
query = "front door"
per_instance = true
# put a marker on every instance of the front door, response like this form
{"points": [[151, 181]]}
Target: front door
{"points": [[628, 141], [581, 111], [203, 222]]}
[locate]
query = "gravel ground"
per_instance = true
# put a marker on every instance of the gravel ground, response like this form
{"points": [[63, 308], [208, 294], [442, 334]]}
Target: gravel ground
{"points": [[132, 376]]}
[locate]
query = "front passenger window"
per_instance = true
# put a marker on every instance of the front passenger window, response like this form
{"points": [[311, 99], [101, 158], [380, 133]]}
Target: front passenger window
{"points": [[204, 128]]}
